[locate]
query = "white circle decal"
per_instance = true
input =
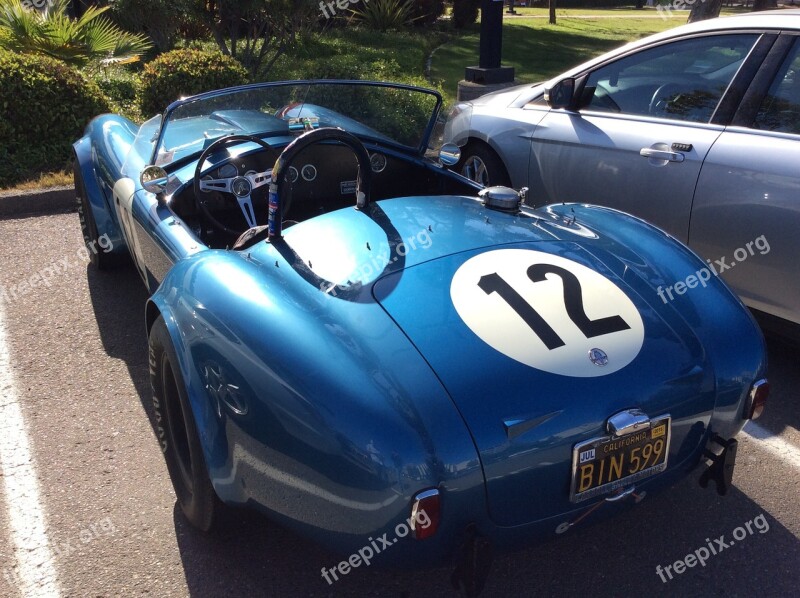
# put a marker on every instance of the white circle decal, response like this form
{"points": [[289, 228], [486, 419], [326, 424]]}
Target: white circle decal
{"points": [[548, 312]]}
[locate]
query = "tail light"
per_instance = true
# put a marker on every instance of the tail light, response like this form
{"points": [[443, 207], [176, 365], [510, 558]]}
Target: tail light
{"points": [[425, 514], [757, 399]]}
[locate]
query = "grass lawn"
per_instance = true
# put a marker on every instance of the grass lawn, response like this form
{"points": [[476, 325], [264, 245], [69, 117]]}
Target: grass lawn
{"points": [[539, 51], [43, 181], [359, 53]]}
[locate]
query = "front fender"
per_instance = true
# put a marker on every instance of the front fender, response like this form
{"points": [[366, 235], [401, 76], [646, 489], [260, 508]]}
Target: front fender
{"points": [[103, 213], [99, 157]]}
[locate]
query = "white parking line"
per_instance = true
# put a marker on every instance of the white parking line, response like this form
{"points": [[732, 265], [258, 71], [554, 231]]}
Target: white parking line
{"points": [[35, 572], [788, 453]]}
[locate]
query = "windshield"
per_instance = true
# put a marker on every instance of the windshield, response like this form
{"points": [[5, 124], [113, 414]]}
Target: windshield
{"points": [[396, 114]]}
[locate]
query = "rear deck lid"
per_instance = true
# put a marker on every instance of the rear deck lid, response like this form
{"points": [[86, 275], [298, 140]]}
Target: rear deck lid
{"points": [[538, 344]]}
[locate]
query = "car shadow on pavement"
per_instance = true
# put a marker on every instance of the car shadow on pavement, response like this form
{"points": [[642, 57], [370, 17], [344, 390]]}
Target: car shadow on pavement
{"points": [[249, 555], [118, 300], [783, 404]]}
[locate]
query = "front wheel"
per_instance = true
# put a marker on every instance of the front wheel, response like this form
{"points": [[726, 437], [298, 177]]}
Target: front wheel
{"points": [[177, 432], [99, 254], [480, 164]]}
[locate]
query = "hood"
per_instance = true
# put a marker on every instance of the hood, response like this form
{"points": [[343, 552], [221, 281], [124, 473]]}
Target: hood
{"points": [[506, 97]]}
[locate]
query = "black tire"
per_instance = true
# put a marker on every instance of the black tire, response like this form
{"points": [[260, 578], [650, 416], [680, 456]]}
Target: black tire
{"points": [[177, 433], [481, 164], [101, 260]]}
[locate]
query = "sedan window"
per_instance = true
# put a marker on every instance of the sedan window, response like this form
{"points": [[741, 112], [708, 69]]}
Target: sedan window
{"points": [[780, 110], [682, 80]]}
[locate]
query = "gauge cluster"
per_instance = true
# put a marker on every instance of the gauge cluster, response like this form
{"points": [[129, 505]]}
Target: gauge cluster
{"points": [[322, 178]]}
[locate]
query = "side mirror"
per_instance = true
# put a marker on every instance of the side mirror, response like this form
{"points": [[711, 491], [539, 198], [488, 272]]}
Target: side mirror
{"points": [[154, 179], [449, 154], [561, 95]]}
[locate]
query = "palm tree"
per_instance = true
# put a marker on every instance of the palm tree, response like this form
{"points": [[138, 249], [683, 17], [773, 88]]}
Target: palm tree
{"points": [[90, 39]]}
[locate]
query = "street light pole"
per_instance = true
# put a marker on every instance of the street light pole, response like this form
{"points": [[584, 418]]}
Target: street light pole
{"points": [[489, 71]]}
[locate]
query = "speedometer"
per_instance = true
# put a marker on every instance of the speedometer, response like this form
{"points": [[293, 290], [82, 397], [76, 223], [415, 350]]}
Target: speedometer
{"points": [[377, 162], [227, 171]]}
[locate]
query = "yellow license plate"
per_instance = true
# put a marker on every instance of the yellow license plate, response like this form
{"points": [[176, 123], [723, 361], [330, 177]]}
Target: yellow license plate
{"points": [[603, 465]]}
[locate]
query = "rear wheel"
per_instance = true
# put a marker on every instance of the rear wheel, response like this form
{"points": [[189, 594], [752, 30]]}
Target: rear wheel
{"points": [[177, 432], [481, 164]]}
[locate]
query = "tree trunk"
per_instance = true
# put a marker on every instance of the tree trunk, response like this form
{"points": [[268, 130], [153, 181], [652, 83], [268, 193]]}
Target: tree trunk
{"points": [[764, 4], [702, 10], [552, 12]]}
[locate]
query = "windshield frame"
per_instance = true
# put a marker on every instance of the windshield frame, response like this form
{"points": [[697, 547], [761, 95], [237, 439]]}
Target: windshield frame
{"points": [[420, 149]]}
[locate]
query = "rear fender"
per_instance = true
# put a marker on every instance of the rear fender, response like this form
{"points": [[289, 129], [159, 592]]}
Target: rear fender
{"points": [[732, 340], [352, 435], [206, 424]]}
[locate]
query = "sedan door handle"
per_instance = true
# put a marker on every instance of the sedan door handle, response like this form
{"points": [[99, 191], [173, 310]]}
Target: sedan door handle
{"points": [[657, 154]]}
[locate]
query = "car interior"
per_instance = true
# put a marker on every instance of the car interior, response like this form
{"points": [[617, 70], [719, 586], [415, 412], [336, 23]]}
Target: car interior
{"points": [[321, 179], [682, 80]]}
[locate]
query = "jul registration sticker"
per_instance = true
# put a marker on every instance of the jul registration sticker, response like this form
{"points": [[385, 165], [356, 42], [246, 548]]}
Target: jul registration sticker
{"points": [[586, 456]]}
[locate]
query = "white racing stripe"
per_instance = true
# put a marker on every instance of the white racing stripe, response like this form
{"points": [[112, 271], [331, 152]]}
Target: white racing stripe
{"points": [[35, 572], [786, 452]]}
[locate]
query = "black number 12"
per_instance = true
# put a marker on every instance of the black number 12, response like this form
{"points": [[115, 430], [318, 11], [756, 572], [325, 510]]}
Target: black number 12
{"points": [[573, 304]]}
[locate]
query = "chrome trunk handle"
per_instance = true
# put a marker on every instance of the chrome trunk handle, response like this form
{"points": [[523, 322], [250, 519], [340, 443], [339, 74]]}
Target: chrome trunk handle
{"points": [[627, 422]]}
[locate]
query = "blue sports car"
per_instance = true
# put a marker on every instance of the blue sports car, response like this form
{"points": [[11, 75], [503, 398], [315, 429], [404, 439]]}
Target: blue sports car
{"points": [[380, 354]]}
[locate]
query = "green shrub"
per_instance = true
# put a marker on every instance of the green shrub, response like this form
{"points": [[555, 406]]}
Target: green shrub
{"points": [[384, 15], [120, 87], [45, 106], [425, 12], [183, 73], [465, 12], [349, 66]]}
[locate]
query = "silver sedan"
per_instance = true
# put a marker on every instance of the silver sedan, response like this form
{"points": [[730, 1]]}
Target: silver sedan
{"points": [[696, 129]]}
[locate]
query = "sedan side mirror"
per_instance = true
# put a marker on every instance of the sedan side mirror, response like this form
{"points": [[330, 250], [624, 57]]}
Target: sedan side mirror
{"points": [[561, 95]]}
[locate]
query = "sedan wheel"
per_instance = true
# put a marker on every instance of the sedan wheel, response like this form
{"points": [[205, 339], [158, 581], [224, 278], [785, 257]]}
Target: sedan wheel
{"points": [[481, 165], [475, 170]]}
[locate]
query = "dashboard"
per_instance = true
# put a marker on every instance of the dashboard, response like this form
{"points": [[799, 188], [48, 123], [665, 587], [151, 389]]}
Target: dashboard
{"points": [[322, 178]]}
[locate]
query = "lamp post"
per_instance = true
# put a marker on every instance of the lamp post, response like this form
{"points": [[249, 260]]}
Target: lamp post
{"points": [[489, 71]]}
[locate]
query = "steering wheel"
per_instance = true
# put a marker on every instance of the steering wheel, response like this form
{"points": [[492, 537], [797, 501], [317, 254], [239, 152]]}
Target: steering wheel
{"points": [[662, 98], [277, 187], [239, 187]]}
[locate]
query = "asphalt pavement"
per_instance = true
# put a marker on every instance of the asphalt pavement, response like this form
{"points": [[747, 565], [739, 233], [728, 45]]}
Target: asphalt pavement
{"points": [[87, 509]]}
